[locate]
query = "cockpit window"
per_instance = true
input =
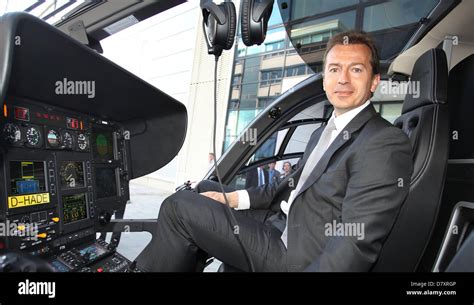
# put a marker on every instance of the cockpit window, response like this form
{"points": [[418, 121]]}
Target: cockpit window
{"points": [[392, 22]]}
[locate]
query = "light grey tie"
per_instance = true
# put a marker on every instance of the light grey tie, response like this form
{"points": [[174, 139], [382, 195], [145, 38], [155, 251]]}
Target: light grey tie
{"points": [[309, 166]]}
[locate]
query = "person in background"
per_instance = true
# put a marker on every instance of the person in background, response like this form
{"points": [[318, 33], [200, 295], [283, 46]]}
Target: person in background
{"points": [[256, 177], [287, 170], [273, 174], [210, 159]]}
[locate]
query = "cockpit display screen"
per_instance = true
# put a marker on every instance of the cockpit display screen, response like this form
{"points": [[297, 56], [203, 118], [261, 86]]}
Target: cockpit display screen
{"points": [[71, 174], [103, 144], [106, 182], [74, 208], [27, 177]]}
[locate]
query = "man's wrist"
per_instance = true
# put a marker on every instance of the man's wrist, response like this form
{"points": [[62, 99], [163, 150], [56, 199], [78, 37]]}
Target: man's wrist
{"points": [[233, 198]]}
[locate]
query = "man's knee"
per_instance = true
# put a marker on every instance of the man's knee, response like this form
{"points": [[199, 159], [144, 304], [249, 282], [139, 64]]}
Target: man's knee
{"points": [[212, 186], [207, 186], [168, 207], [174, 204]]}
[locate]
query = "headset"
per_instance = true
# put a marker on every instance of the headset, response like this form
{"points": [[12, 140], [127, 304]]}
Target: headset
{"points": [[219, 23]]}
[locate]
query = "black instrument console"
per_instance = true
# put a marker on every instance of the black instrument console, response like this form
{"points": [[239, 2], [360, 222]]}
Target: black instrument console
{"points": [[64, 173]]}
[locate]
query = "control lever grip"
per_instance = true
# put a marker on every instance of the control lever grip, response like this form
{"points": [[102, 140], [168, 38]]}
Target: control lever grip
{"points": [[131, 267], [16, 261], [185, 187]]}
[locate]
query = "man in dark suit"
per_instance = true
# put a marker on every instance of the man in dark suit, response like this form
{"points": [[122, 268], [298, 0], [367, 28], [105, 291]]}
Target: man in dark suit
{"points": [[256, 177], [332, 214], [273, 174]]}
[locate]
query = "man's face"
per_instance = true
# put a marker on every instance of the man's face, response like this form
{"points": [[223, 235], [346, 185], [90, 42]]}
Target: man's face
{"points": [[348, 79], [286, 167], [271, 166]]}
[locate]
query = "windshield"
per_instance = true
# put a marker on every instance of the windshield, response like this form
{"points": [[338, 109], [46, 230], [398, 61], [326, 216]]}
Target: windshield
{"points": [[310, 23]]}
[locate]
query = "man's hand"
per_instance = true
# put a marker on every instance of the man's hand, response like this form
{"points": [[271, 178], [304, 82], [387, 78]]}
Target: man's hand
{"points": [[232, 198]]}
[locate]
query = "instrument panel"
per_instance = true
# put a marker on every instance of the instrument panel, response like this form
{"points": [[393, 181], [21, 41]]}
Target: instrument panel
{"points": [[33, 127], [62, 172]]}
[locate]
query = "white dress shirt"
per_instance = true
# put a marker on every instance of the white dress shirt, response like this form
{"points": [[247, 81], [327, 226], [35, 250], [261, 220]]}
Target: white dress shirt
{"points": [[341, 122], [261, 176]]}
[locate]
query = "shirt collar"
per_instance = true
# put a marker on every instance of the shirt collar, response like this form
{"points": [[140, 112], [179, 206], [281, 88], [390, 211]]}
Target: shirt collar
{"points": [[342, 120]]}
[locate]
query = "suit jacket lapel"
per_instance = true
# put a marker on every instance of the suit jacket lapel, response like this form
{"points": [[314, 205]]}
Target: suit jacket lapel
{"points": [[343, 138], [311, 145]]}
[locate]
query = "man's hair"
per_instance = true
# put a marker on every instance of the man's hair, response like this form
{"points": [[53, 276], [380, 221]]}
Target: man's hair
{"points": [[355, 37]]}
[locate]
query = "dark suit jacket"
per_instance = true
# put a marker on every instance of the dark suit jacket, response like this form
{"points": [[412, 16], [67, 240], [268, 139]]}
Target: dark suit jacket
{"points": [[276, 176], [364, 177], [251, 178]]}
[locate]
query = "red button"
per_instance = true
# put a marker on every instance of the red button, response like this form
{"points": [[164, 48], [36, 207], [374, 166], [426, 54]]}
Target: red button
{"points": [[100, 270]]}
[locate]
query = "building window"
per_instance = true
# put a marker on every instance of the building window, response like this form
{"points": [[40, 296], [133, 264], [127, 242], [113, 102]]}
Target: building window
{"points": [[263, 102], [273, 54], [315, 38], [295, 70], [275, 45], [407, 12], [316, 67], [234, 104], [307, 8], [241, 52], [236, 81], [391, 111], [270, 77], [319, 31]]}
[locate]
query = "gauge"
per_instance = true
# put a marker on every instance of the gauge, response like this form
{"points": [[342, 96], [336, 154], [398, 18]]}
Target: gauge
{"points": [[83, 142], [72, 174], [68, 139], [33, 137], [54, 139], [12, 133]]}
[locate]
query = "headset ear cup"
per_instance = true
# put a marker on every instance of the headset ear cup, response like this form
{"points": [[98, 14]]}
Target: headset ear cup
{"points": [[231, 24], [254, 22], [245, 22]]}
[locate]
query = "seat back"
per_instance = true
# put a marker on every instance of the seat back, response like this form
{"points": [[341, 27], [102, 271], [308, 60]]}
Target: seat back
{"points": [[425, 119], [460, 172]]}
